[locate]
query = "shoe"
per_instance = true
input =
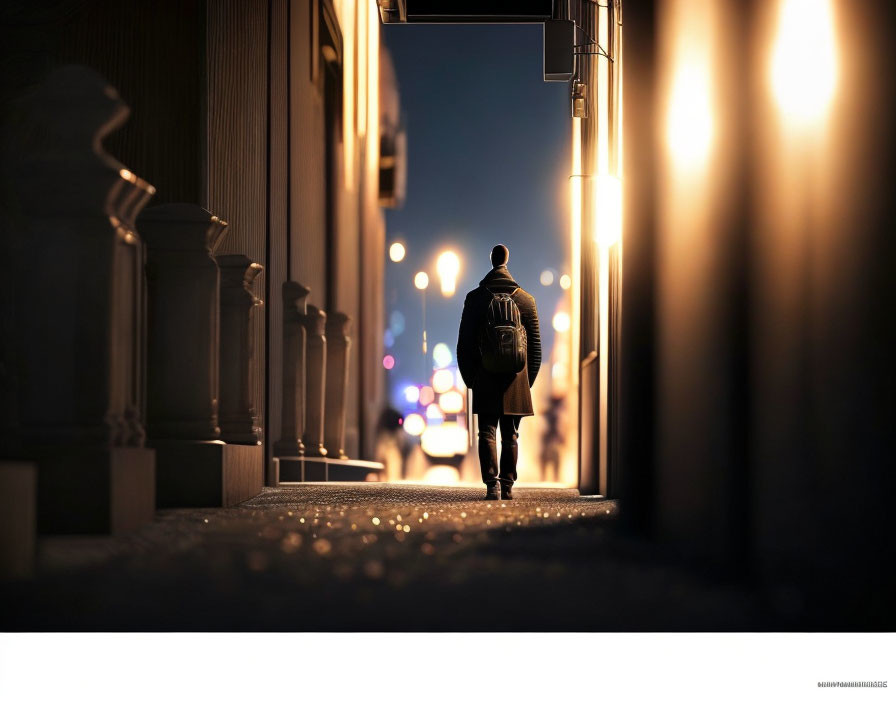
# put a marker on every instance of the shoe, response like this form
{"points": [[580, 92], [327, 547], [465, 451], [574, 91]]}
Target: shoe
{"points": [[506, 492], [491, 492]]}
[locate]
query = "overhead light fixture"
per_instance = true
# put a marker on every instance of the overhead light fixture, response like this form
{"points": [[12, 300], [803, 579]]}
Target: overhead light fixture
{"points": [[579, 108]]}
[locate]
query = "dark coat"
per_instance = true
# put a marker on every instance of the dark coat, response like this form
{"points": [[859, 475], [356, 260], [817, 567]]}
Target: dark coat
{"points": [[495, 394]]}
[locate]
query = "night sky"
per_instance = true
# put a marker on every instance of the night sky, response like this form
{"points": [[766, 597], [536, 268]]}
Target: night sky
{"points": [[488, 162]]}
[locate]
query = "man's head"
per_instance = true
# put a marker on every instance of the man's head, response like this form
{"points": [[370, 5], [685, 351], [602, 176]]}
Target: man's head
{"points": [[500, 255]]}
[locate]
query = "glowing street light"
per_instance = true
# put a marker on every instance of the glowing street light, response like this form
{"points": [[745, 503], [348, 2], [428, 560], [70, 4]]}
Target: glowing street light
{"points": [[442, 381], [451, 402], [396, 252], [421, 280], [561, 321], [448, 267], [804, 60], [445, 440], [565, 282], [441, 355], [414, 424], [412, 394]]}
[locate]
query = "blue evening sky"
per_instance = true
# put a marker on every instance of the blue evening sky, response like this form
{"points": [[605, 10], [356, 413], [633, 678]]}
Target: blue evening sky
{"points": [[488, 161]]}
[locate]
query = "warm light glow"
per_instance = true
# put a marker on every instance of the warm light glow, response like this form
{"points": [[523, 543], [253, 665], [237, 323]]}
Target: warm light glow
{"points": [[396, 252], [411, 394], [388, 361], [346, 11], [445, 440], [561, 321], [448, 267], [414, 424], [546, 278], [427, 395], [373, 93], [421, 280], [689, 111], [441, 355], [565, 282], [451, 402], [603, 89], [576, 187], [442, 381], [441, 474], [361, 46], [433, 412], [608, 227], [804, 60]]}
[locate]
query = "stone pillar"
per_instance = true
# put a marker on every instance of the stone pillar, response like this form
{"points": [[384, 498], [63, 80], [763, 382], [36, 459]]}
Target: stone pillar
{"points": [[294, 336], [194, 467], [75, 387], [237, 418], [338, 345], [315, 375], [183, 283]]}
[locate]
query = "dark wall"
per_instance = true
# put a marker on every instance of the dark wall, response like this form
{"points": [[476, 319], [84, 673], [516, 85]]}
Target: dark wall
{"points": [[823, 336], [307, 224], [152, 53], [757, 383], [236, 160], [636, 367], [278, 269]]}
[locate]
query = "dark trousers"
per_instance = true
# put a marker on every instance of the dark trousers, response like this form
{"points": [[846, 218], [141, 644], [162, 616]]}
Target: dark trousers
{"points": [[488, 448]]}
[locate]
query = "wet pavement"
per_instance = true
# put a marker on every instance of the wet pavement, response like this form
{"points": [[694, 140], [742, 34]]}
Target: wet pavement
{"points": [[381, 557]]}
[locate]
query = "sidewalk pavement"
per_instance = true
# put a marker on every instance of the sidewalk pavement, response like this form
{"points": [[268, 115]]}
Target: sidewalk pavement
{"points": [[380, 557]]}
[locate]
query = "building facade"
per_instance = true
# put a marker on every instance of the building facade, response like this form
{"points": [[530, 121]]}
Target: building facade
{"points": [[254, 139]]}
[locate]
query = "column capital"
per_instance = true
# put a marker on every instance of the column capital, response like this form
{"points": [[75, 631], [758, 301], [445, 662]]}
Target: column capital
{"points": [[238, 272], [199, 229], [338, 325], [294, 295], [315, 321]]}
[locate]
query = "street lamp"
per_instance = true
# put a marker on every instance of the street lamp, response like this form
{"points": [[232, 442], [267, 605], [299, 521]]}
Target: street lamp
{"points": [[448, 267], [561, 321], [421, 281], [396, 252]]}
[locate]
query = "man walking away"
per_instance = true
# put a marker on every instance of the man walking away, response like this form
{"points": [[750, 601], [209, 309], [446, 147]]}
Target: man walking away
{"points": [[499, 354]]}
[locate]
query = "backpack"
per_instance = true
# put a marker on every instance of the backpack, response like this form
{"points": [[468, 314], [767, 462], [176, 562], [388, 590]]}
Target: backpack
{"points": [[502, 341]]}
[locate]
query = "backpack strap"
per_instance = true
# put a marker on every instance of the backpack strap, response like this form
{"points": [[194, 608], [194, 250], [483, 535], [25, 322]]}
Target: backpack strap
{"points": [[488, 306], [493, 294]]}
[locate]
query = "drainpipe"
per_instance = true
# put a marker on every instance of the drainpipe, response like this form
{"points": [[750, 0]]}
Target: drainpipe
{"points": [[595, 99]]}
